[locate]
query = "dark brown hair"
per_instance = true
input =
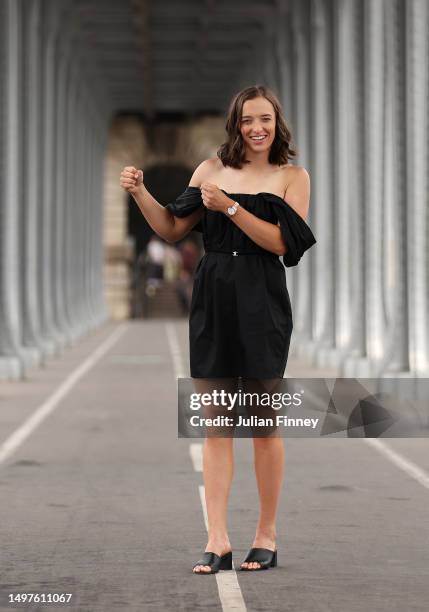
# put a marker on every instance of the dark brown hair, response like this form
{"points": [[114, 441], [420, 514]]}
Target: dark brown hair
{"points": [[232, 152]]}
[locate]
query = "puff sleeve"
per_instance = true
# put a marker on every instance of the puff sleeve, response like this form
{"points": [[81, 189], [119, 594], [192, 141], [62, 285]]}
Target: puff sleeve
{"points": [[186, 203], [295, 232]]}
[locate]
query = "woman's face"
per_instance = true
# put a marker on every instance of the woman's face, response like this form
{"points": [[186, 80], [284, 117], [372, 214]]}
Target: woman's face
{"points": [[258, 119]]}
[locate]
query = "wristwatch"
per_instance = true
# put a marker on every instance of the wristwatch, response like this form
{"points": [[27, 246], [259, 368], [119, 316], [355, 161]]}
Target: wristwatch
{"points": [[232, 209]]}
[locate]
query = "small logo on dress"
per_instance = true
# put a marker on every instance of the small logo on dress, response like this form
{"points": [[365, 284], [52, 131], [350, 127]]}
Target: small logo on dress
{"points": [[235, 252]]}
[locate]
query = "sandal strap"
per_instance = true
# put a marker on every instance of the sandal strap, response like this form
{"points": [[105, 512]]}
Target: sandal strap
{"points": [[209, 558], [263, 556]]}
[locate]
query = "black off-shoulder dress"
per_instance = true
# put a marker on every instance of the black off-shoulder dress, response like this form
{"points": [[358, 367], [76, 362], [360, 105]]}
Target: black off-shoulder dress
{"points": [[240, 321]]}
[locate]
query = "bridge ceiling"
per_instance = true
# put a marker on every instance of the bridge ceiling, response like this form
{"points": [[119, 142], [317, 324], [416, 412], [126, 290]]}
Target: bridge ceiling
{"points": [[174, 56]]}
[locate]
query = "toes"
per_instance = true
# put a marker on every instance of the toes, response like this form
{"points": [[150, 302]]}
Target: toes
{"points": [[254, 565], [201, 568]]}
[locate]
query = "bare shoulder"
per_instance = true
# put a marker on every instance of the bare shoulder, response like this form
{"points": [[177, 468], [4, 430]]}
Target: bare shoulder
{"points": [[295, 173], [301, 173], [203, 171], [297, 193]]}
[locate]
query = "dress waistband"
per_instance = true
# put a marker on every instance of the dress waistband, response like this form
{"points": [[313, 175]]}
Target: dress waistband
{"points": [[240, 252]]}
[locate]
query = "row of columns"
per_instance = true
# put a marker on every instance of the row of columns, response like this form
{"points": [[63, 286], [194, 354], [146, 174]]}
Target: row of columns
{"points": [[353, 78], [54, 129]]}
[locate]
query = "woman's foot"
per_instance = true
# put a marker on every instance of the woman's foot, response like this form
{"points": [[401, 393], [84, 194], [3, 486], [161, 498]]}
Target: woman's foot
{"points": [[220, 547], [262, 540]]}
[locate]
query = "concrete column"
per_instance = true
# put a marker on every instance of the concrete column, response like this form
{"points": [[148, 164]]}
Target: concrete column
{"points": [[299, 280], [282, 46], [70, 174], [395, 358], [322, 152], [60, 196], [349, 226], [79, 211], [47, 210], [417, 92], [11, 356], [373, 194], [73, 227], [32, 339], [99, 198]]}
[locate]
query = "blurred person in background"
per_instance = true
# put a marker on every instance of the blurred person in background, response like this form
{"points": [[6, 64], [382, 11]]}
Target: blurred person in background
{"points": [[154, 259]]}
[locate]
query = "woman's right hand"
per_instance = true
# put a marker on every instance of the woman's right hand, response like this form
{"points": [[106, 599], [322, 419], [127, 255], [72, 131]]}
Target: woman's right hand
{"points": [[131, 179]]}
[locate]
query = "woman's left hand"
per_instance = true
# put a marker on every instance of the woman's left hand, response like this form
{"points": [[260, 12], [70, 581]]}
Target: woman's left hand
{"points": [[214, 198]]}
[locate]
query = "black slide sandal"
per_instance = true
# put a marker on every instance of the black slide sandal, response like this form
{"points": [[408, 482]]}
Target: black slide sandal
{"points": [[264, 556], [215, 562]]}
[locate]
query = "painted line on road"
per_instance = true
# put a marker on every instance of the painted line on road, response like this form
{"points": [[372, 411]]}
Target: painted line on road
{"points": [[407, 466], [195, 450], [230, 595], [14, 441], [176, 353]]}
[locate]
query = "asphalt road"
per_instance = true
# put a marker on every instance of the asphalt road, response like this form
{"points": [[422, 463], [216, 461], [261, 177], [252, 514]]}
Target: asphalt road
{"points": [[100, 499]]}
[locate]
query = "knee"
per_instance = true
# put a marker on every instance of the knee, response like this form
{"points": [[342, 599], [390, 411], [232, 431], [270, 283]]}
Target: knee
{"points": [[216, 441], [268, 442]]}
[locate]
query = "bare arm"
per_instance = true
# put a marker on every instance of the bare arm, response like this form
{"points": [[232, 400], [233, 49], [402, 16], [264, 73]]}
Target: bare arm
{"points": [[160, 219], [267, 235]]}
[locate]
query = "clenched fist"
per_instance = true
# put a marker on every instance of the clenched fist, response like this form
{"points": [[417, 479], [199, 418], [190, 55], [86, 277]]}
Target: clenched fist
{"points": [[214, 198], [131, 179]]}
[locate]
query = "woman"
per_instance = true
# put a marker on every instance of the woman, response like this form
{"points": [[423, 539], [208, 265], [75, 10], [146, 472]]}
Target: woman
{"points": [[251, 205]]}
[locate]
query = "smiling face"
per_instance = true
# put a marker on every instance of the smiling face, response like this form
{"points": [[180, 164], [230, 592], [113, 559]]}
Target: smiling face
{"points": [[258, 124]]}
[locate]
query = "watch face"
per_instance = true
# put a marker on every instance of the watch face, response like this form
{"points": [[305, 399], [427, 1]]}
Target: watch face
{"points": [[231, 210]]}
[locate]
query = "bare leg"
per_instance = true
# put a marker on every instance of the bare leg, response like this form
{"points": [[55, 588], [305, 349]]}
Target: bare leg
{"points": [[269, 457], [218, 469]]}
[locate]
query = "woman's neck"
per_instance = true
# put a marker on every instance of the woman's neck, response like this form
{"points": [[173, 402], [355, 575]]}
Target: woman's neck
{"points": [[258, 161]]}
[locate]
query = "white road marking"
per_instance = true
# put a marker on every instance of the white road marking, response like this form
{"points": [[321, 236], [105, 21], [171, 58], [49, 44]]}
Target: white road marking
{"points": [[176, 353], [202, 490], [407, 466], [230, 595], [15, 440], [195, 450]]}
